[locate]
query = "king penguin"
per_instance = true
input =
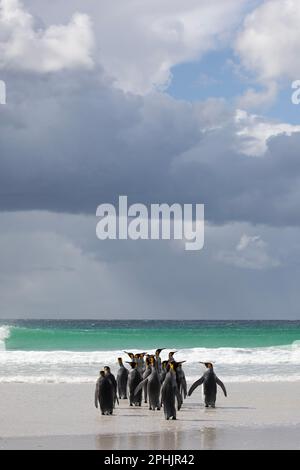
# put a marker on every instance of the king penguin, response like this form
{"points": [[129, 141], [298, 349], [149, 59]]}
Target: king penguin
{"points": [[181, 380], [134, 380], [163, 371], [112, 378], [158, 359], [171, 356], [122, 379], [152, 382], [146, 374], [169, 393], [104, 394], [210, 382]]}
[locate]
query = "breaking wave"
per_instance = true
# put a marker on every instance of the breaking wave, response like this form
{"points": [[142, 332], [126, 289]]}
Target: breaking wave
{"points": [[4, 334], [276, 363]]}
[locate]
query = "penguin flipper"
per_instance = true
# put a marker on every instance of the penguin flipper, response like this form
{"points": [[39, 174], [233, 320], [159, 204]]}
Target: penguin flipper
{"points": [[184, 387], [97, 394], [179, 398], [140, 386], [220, 383], [195, 385]]}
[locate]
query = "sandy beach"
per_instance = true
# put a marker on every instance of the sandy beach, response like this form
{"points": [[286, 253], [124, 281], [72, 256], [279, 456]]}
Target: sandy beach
{"points": [[62, 416]]}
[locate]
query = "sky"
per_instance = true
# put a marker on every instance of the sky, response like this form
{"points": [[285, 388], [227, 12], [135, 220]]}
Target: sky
{"points": [[165, 102]]}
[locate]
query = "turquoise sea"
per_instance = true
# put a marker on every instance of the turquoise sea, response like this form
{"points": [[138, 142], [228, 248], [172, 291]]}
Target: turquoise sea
{"points": [[73, 351]]}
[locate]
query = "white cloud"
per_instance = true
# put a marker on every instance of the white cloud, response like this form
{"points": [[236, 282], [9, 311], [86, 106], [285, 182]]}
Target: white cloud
{"points": [[251, 252], [140, 42], [246, 241], [268, 44], [254, 131], [26, 47], [256, 99]]}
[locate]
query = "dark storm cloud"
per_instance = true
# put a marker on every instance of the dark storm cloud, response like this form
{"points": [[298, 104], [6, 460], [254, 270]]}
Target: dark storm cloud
{"points": [[70, 141]]}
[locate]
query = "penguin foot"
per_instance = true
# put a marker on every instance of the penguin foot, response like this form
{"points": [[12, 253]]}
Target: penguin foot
{"points": [[131, 404], [145, 401], [174, 418], [206, 406], [158, 408]]}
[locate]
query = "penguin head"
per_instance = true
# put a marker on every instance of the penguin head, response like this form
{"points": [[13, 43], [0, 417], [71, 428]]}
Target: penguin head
{"points": [[131, 355], [102, 373], [133, 364], [171, 354], [179, 364], [158, 351], [208, 365], [120, 361], [164, 364], [152, 361], [107, 370]]}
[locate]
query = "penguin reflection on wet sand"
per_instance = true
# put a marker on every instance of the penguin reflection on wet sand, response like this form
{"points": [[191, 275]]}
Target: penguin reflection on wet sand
{"points": [[122, 379], [104, 394], [152, 382], [134, 379], [170, 392], [210, 382]]}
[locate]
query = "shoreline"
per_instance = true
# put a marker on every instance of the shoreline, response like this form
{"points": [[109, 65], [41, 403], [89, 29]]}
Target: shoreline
{"points": [[59, 416]]}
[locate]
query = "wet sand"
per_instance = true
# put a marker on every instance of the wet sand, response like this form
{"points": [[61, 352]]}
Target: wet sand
{"points": [[254, 416]]}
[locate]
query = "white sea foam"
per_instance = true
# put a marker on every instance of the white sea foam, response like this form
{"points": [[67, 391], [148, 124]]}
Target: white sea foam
{"points": [[277, 363], [61, 379], [275, 355], [4, 334]]}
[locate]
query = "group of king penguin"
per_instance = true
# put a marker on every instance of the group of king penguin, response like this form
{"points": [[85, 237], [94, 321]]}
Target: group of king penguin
{"points": [[159, 383]]}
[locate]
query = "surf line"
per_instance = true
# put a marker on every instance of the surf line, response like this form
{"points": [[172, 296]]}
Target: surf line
{"points": [[163, 222]]}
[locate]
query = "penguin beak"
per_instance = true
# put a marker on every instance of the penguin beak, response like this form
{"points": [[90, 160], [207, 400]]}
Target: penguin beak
{"points": [[129, 354]]}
